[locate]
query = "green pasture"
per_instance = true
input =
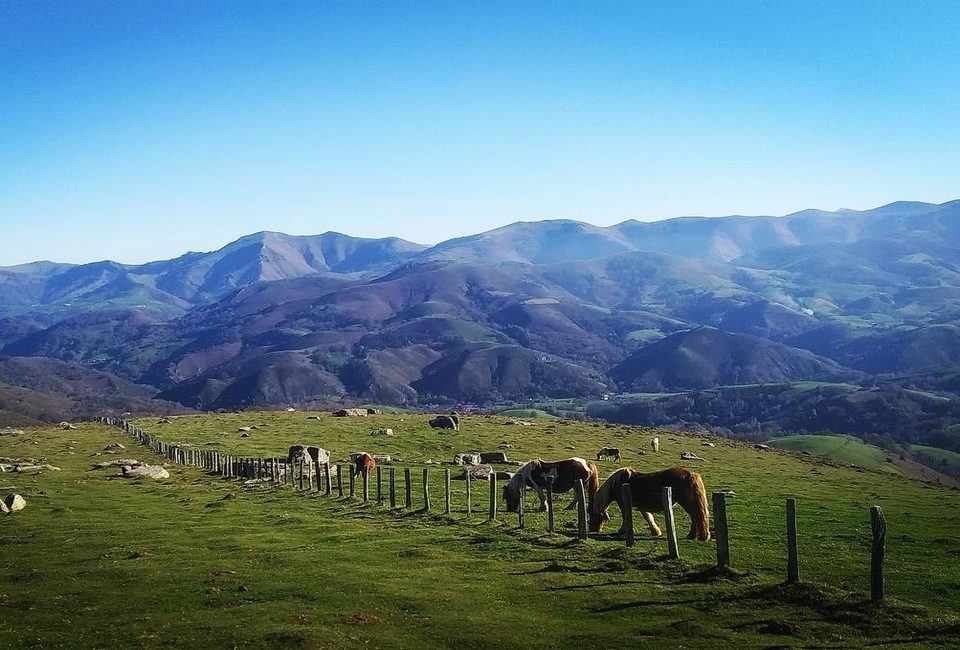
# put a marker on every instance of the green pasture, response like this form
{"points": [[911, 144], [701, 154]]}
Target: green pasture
{"points": [[200, 561], [936, 454], [839, 448]]}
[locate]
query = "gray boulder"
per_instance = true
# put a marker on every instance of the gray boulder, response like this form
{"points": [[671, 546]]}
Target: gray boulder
{"points": [[146, 471], [14, 503], [493, 457], [467, 459]]}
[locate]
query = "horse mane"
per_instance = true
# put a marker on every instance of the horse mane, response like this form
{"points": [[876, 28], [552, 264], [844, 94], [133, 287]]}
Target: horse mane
{"points": [[605, 495]]}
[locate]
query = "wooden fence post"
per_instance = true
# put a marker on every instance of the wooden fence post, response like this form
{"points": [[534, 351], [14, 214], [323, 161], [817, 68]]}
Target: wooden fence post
{"points": [[339, 481], [426, 490], [446, 482], [581, 509], [550, 504], [301, 473], [492, 481], [327, 479], [366, 484], [408, 488], [520, 505], [379, 485], [720, 529], [878, 524], [667, 494], [626, 507], [318, 474], [353, 478], [468, 494], [793, 560], [393, 487]]}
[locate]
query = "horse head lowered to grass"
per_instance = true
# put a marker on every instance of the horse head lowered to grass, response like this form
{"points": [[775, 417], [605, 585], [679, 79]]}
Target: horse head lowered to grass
{"points": [[536, 473], [646, 496]]}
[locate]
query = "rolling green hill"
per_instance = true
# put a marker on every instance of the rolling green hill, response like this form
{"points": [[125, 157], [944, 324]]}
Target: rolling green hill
{"points": [[839, 448], [200, 561]]}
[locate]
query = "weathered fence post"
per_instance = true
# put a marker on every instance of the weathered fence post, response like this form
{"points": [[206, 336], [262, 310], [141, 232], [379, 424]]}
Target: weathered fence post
{"points": [[327, 479], [626, 501], [366, 484], [301, 472], [468, 493], [671, 526], [720, 529], [878, 523], [550, 504], [446, 483], [492, 480], [393, 487], [426, 490], [318, 473], [339, 481], [520, 505], [793, 561], [407, 488], [379, 485], [353, 477], [581, 509]]}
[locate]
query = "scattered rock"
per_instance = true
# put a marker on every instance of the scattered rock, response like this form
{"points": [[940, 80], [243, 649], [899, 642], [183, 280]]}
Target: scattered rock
{"points": [[381, 458], [382, 432], [467, 459], [689, 455], [146, 471], [343, 413], [14, 503], [476, 473], [493, 457], [119, 462]]}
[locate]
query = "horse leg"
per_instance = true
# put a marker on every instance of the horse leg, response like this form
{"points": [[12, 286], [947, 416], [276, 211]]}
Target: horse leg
{"points": [[654, 529], [543, 498]]}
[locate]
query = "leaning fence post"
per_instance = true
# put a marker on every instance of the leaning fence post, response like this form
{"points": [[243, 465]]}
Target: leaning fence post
{"points": [[550, 503], [720, 529], [581, 509], [879, 525], [492, 480], [408, 489], [626, 500], [667, 494], [793, 561]]}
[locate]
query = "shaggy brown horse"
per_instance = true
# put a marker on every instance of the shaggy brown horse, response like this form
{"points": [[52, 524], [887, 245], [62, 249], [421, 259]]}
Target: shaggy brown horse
{"points": [[363, 463], [535, 475], [646, 496]]}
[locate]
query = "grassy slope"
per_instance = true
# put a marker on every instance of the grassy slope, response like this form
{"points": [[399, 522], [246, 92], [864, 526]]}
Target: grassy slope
{"points": [[840, 448], [199, 561]]}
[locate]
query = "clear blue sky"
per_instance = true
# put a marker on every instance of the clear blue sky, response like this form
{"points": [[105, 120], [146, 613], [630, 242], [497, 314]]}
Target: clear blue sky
{"points": [[139, 130]]}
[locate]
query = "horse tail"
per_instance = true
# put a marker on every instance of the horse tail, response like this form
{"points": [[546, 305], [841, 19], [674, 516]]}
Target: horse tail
{"points": [[697, 508]]}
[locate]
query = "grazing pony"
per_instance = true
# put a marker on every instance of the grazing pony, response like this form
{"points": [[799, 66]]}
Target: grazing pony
{"points": [[646, 496], [534, 475], [609, 452], [362, 463], [655, 443]]}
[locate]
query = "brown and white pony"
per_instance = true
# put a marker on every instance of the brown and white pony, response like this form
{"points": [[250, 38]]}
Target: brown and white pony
{"points": [[362, 463], [535, 473], [646, 496]]}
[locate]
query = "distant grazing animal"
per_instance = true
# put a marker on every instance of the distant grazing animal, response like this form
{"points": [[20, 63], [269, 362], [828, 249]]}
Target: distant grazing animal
{"points": [[318, 455], [646, 496], [445, 422], [363, 463], [656, 444], [609, 452], [534, 475]]}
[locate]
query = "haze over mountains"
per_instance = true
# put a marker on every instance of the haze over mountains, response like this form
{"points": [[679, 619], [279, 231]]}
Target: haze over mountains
{"points": [[528, 311]]}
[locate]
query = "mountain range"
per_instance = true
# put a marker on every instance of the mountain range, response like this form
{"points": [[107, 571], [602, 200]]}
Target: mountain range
{"points": [[529, 311]]}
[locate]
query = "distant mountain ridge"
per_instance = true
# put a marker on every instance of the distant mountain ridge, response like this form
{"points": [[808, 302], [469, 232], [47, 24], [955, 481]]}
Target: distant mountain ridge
{"points": [[532, 310]]}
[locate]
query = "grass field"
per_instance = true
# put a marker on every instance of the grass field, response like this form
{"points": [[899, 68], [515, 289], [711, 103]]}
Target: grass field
{"points": [[839, 448], [199, 561]]}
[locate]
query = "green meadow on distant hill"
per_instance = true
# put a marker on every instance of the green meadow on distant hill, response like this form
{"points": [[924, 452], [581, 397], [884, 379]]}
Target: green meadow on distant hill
{"points": [[201, 561], [839, 448]]}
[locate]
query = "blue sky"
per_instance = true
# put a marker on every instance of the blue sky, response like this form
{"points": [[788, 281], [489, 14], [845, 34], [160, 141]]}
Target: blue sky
{"points": [[137, 131]]}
